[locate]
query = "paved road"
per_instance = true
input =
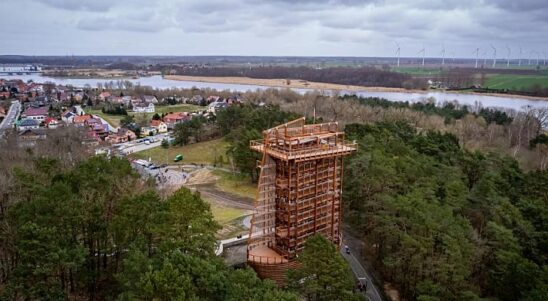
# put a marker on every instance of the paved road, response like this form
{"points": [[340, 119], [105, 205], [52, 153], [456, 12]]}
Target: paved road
{"points": [[135, 146], [11, 116], [372, 292], [140, 147]]}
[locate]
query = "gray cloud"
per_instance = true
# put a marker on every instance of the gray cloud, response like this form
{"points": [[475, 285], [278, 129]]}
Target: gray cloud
{"points": [[294, 27], [96, 5]]}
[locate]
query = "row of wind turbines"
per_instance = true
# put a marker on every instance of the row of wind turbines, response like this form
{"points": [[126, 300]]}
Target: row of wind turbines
{"points": [[484, 55]]}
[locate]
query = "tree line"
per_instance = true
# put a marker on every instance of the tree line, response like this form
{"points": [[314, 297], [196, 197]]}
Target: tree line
{"points": [[362, 76], [444, 223], [450, 111]]}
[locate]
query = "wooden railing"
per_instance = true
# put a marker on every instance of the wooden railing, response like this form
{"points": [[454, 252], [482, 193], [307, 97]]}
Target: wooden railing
{"points": [[321, 150], [265, 259]]}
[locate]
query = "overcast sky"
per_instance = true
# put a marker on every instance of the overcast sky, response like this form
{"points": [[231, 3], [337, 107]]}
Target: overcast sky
{"points": [[272, 27]]}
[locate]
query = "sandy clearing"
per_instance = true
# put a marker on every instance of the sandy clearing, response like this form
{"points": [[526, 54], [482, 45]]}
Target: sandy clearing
{"points": [[281, 83]]}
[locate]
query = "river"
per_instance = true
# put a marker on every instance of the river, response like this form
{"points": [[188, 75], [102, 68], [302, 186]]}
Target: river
{"points": [[508, 102]]}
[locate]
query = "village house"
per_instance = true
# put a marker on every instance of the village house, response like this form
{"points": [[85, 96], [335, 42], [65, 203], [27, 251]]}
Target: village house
{"points": [[103, 96], [172, 119], [126, 100], [68, 117], [28, 137], [97, 126], [80, 120], [116, 99], [51, 123], [123, 135], [144, 108], [197, 100], [149, 98], [148, 131], [27, 124], [213, 98], [33, 134], [214, 107], [35, 113], [160, 126]]}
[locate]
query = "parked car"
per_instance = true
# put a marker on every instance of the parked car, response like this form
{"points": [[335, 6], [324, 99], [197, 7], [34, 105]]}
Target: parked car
{"points": [[178, 158]]}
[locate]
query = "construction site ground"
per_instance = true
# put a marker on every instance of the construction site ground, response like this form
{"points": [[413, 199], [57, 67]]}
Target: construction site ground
{"points": [[229, 209]]}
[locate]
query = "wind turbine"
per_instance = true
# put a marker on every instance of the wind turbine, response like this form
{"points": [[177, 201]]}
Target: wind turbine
{"points": [[423, 51], [530, 55], [477, 57], [443, 55], [398, 52], [538, 58], [520, 52], [494, 56], [508, 56], [484, 54]]}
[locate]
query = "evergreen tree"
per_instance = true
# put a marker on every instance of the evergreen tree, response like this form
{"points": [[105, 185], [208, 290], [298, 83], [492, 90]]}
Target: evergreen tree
{"points": [[323, 273]]}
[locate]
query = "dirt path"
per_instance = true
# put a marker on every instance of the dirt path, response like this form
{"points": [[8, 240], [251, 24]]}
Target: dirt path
{"points": [[223, 198], [203, 180]]}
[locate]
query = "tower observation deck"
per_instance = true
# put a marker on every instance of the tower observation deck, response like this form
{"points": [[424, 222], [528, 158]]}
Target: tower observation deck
{"points": [[298, 195]]}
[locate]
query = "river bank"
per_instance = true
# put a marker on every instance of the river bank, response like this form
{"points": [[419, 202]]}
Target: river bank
{"points": [[283, 83], [303, 84]]}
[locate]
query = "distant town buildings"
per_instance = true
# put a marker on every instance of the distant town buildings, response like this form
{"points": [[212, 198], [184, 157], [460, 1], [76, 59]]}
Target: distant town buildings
{"points": [[47, 107], [19, 69]]}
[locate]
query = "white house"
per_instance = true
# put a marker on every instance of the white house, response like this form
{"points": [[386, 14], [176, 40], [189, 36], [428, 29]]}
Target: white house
{"points": [[28, 124], [149, 98], [39, 113], [216, 106], [159, 125], [68, 117], [144, 108]]}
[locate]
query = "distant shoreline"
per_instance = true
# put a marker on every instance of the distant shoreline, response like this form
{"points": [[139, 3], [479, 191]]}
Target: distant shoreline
{"points": [[283, 83], [303, 84]]}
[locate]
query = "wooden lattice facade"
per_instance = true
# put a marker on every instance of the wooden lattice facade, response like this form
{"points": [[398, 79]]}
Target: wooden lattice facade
{"points": [[299, 193]]}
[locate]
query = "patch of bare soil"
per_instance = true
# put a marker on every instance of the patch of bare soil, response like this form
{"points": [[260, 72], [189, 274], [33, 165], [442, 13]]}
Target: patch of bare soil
{"points": [[224, 198], [203, 180], [202, 177]]}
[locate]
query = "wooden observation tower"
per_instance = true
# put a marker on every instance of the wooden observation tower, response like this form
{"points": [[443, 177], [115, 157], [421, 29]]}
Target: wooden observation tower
{"points": [[299, 193]]}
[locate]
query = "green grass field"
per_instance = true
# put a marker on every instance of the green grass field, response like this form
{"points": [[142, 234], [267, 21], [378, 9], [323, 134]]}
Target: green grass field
{"points": [[416, 70], [515, 82], [224, 215], [199, 153], [169, 109], [237, 184], [115, 119]]}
